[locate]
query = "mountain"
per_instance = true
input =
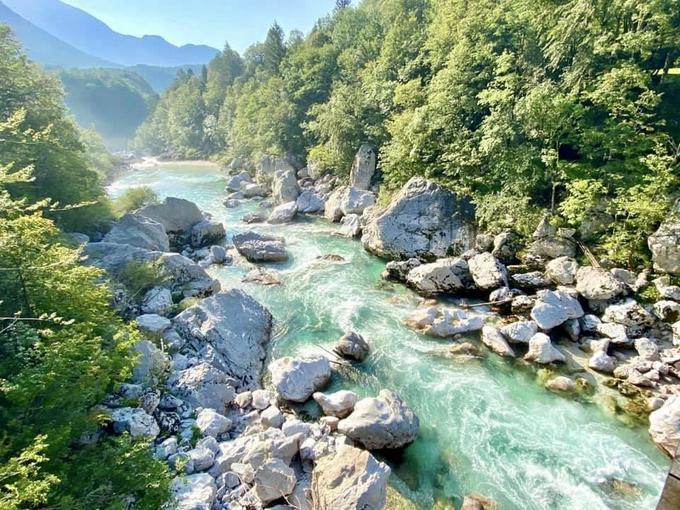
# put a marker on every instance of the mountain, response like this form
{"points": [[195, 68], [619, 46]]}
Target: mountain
{"points": [[113, 101], [44, 47], [85, 32], [160, 78]]}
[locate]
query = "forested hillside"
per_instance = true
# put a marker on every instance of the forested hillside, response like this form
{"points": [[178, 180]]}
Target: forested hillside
{"points": [[62, 347], [527, 106]]}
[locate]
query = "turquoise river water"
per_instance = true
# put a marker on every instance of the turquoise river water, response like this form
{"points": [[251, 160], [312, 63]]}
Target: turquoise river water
{"points": [[487, 426]]}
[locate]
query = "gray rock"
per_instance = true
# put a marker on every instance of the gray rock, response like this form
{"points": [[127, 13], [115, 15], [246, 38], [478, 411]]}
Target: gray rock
{"points": [[666, 290], [310, 202], [647, 348], [139, 231], [505, 247], [495, 341], [201, 459], [339, 404], [443, 322], [596, 283], [352, 345], [187, 277], [561, 383], [363, 168], [665, 247], [272, 417], [630, 314], [296, 379], [157, 301], [664, 425], [211, 423], [347, 200], [484, 242], [218, 254], [397, 270], [382, 422], [520, 332], [193, 492], [261, 276], [602, 362], [273, 480], [254, 190], [134, 421], [285, 187], [443, 276], [553, 308], [487, 271], [237, 327], [541, 350], [260, 247], [562, 270], [667, 310], [351, 479], [205, 233], [283, 213], [236, 182], [175, 214], [151, 365], [423, 220], [113, 256], [351, 226], [203, 385], [152, 325], [530, 281]]}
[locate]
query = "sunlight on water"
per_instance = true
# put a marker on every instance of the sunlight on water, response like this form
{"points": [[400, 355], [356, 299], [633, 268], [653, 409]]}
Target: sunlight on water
{"points": [[486, 425]]}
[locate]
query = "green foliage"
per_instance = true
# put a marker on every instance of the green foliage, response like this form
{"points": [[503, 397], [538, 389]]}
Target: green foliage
{"points": [[133, 199], [140, 277]]}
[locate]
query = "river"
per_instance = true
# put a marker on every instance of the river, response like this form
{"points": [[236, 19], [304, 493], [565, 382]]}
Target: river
{"points": [[487, 425]]}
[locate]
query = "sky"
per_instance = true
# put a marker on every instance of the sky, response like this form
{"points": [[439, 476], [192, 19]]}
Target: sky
{"points": [[212, 22]]}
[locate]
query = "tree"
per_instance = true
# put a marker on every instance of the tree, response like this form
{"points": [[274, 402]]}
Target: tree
{"points": [[274, 49]]}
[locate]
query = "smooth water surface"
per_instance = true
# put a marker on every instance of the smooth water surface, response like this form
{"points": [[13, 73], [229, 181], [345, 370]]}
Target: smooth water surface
{"points": [[487, 426]]}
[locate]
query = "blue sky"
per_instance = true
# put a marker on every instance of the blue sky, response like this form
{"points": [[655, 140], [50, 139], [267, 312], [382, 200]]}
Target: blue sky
{"points": [[240, 22]]}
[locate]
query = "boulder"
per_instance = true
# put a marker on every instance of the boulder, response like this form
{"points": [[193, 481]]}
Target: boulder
{"points": [[347, 200], [363, 168], [175, 214], [193, 492], [561, 383], [505, 247], [157, 301], [550, 243], [151, 365], [253, 190], [236, 182], [598, 284], [667, 310], [285, 187], [666, 290], [541, 350], [553, 308], [283, 213], [114, 257], [237, 327], [353, 346], [487, 271], [262, 276], [495, 341], [443, 322], [205, 233], [310, 202], [665, 247], [260, 247], [134, 421], [272, 417], [273, 480], [351, 479], [602, 362], [152, 325], [203, 385], [139, 231], [398, 270], [339, 404], [562, 270], [187, 277], [630, 314], [382, 422], [296, 379], [664, 425], [423, 220], [351, 225], [219, 255], [449, 275], [647, 348], [211, 423], [530, 281], [520, 332]]}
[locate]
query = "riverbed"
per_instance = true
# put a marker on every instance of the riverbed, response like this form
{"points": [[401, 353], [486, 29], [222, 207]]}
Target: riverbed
{"points": [[487, 425]]}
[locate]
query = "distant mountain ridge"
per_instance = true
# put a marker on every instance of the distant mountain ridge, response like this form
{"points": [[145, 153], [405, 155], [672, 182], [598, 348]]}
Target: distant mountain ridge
{"points": [[46, 48], [89, 35]]}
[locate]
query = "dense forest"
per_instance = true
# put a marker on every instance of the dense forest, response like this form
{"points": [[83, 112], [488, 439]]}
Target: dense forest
{"points": [[62, 348], [568, 106]]}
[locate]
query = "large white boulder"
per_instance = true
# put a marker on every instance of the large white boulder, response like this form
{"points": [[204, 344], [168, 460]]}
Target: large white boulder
{"points": [[520, 332], [296, 379], [664, 425], [283, 213], [541, 350], [423, 220], [157, 301], [177, 215], [285, 187], [363, 168], [351, 479], [443, 322], [340, 403], [554, 308], [203, 385], [599, 284], [139, 231], [273, 480], [193, 492], [562, 270], [310, 202], [449, 275], [211, 423], [382, 422], [495, 341], [487, 271], [236, 327], [347, 200]]}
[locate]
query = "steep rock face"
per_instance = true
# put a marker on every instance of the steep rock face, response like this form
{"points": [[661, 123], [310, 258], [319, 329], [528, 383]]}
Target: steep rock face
{"points": [[424, 220], [285, 187], [139, 231], [363, 168], [175, 214], [236, 326], [665, 247], [350, 479]]}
